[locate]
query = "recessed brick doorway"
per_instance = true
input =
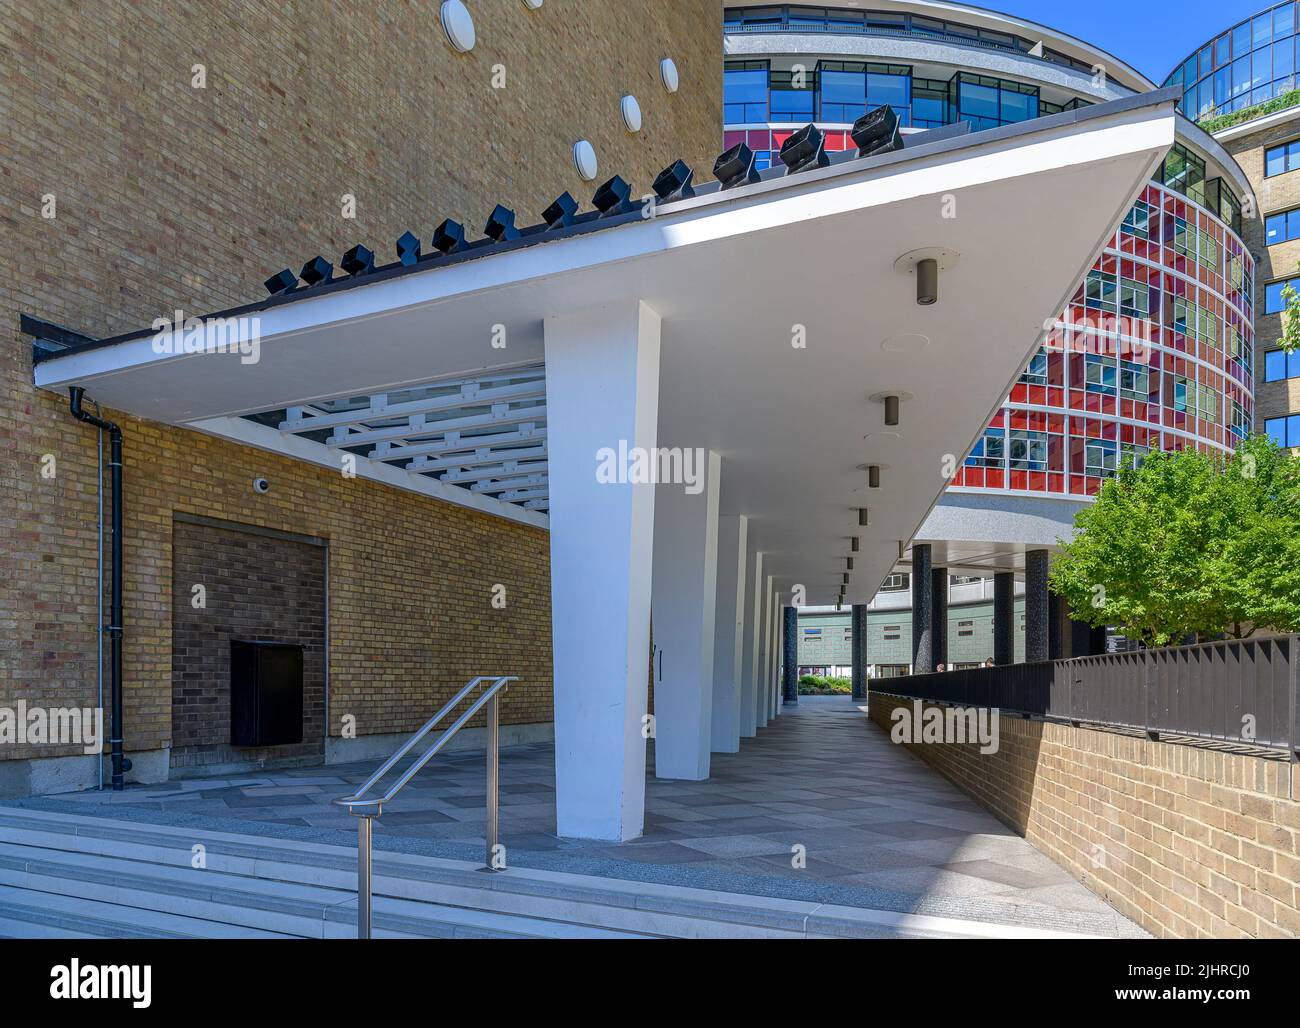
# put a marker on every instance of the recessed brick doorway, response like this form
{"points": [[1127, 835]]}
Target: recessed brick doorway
{"points": [[239, 582]]}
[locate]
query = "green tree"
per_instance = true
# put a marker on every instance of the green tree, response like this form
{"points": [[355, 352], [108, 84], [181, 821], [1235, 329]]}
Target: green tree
{"points": [[1290, 340], [1189, 543]]}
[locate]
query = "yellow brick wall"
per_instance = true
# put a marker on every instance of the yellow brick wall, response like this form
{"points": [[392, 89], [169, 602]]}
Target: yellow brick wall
{"points": [[168, 196], [1274, 193], [1186, 841]]}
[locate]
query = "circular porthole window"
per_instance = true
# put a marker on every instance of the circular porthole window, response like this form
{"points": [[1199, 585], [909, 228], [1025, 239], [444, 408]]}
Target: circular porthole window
{"points": [[458, 24], [668, 72], [532, 5], [584, 159], [631, 111]]}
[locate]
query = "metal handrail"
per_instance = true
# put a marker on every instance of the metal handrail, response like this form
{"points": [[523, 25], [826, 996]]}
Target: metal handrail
{"points": [[365, 809]]}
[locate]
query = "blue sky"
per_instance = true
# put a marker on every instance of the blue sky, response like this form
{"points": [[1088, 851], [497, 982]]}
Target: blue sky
{"points": [[1150, 35]]}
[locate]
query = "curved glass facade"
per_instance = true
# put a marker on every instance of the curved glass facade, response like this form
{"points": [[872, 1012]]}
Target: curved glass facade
{"points": [[1252, 63], [898, 24], [838, 91], [1155, 351]]}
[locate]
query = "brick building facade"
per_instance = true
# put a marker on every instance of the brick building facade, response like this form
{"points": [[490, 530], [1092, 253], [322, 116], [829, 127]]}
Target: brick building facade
{"points": [[1276, 193], [167, 155]]}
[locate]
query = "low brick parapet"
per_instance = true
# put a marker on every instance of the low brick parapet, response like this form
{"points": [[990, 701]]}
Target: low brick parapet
{"points": [[1188, 841]]}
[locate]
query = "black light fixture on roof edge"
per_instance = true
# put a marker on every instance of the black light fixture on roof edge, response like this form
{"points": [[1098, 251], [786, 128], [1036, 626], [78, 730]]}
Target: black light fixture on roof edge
{"points": [[735, 167], [873, 476], [408, 249], [317, 271], [863, 517], [877, 132], [613, 197], [846, 578], [848, 563], [281, 282], [561, 211], [674, 182], [804, 149], [449, 237], [501, 225], [855, 543], [358, 261]]}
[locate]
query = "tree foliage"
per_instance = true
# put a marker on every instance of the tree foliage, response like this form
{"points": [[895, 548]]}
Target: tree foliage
{"points": [[1188, 543]]}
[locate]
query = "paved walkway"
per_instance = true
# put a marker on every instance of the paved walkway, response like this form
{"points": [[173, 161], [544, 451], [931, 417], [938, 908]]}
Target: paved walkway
{"points": [[879, 828]]}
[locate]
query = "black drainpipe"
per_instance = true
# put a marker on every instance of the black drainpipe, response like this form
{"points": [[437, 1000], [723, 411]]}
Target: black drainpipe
{"points": [[114, 627]]}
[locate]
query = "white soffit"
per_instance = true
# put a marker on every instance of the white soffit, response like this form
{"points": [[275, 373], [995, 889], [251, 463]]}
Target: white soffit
{"points": [[732, 275]]}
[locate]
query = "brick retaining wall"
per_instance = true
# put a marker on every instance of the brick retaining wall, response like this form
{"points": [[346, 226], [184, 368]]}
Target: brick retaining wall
{"points": [[1187, 841]]}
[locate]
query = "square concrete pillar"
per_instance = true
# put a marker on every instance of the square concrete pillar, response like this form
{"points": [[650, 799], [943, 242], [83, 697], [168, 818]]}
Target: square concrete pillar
{"points": [[859, 641], [749, 671], [939, 616], [1004, 609], [765, 678], [774, 659], [729, 632], [1037, 607], [790, 655], [685, 595], [923, 662], [602, 390]]}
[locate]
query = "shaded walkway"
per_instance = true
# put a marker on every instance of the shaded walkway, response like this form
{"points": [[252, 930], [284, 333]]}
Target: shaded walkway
{"points": [[878, 827]]}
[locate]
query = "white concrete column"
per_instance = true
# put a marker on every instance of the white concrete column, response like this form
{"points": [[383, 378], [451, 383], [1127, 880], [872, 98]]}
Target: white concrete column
{"points": [[729, 632], [602, 390], [765, 661], [775, 659], [753, 642], [684, 609]]}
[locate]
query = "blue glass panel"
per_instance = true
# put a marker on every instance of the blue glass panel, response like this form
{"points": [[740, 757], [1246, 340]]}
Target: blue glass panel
{"points": [[1283, 60], [1293, 430], [928, 110], [1241, 40], [1262, 30], [792, 104], [978, 101], [1261, 67], [1275, 429], [1241, 75], [1283, 21], [844, 87], [1222, 86], [1274, 229], [1274, 366], [894, 90], [1018, 106]]}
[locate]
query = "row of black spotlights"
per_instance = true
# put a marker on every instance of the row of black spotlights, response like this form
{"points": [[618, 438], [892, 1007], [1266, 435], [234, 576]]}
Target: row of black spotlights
{"points": [[874, 133], [864, 521]]}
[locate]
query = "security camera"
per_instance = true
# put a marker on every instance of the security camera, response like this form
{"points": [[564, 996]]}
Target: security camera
{"points": [[261, 485]]}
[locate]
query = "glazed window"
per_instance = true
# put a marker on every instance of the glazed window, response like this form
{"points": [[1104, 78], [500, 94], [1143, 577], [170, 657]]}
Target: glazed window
{"points": [[1280, 365]]}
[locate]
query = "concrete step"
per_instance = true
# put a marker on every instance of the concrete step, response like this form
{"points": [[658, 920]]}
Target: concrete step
{"points": [[207, 903], [308, 889], [115, 920]]}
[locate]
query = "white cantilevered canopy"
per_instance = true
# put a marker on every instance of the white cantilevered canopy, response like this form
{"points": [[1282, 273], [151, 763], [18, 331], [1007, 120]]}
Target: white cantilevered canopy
{"points": [[782, 315], [760, 327]]}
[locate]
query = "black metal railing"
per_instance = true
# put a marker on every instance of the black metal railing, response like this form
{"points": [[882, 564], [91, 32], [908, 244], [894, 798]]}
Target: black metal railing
{"points": [[1244, 692]]}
